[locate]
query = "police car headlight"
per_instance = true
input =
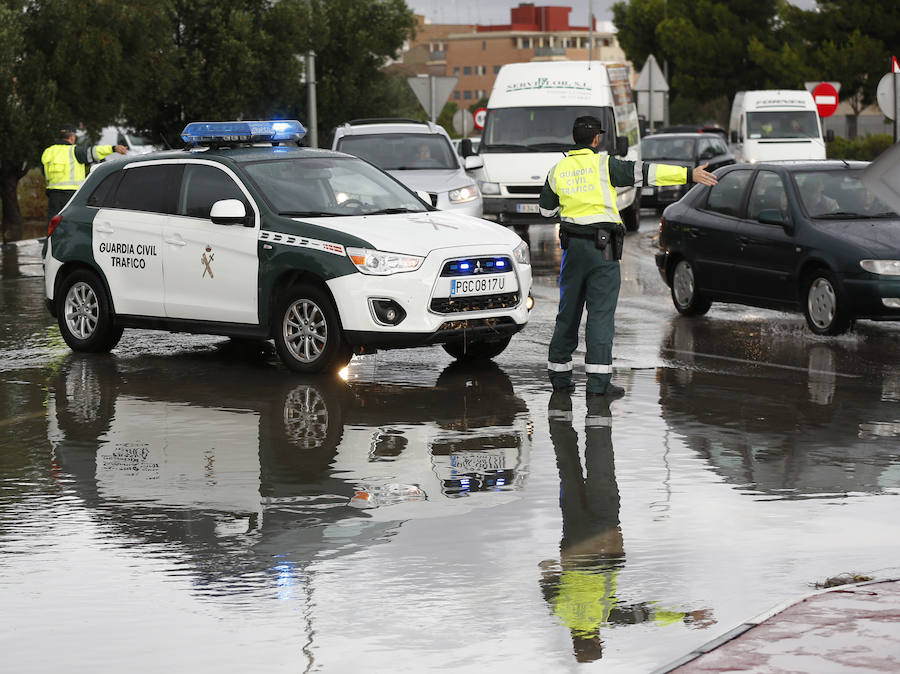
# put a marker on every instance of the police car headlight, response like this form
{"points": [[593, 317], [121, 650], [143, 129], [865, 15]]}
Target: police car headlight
{"points": [[463, 194], [382, 264], [489, 188], [886, 267], [521, 254]]}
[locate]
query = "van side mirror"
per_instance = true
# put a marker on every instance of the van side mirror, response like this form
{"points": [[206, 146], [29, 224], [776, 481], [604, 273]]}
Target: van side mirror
{"points": [[773, 216], [473, 162], [734, 137], [829, 136], [621, 146], [465, 147], [230, 212]]}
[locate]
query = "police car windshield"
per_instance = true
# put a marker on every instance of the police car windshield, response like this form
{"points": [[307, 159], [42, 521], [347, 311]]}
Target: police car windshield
{"points": [[330, 186], [540, 129], [402, 151]]}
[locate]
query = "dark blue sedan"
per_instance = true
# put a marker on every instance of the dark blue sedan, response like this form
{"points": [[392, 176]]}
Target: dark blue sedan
{"points": [[804, 236]]}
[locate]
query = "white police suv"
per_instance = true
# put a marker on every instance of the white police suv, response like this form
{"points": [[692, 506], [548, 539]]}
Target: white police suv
{"points": [[248, 235]]}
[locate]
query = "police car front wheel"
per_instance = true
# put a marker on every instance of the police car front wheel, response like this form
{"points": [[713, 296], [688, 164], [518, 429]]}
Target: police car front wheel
{"points": [[307, 334], [84, 315]]}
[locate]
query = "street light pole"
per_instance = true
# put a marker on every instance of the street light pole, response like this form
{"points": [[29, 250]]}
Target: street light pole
{"points": [[313, 123]]}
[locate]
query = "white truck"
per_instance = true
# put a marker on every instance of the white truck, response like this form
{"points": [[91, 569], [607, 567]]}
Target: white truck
{"points": [[528, 128], [774, 124]]}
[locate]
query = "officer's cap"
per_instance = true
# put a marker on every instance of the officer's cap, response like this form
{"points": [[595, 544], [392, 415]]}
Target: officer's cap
{"points": [[66, 130], [588, 123]]}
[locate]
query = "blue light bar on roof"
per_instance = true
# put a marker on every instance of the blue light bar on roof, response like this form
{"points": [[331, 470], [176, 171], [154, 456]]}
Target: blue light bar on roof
{"points": [[204, 133]]}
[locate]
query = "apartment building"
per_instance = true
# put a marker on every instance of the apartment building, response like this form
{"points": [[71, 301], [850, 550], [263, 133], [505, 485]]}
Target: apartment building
{"points": [[474, 53]]}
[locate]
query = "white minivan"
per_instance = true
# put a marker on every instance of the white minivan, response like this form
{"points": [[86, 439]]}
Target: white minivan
{"points": [[528, 128], [776, 124]]}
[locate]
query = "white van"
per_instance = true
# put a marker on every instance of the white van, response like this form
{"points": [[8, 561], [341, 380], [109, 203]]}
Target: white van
{"points": [[529, 126], [776, 124]]}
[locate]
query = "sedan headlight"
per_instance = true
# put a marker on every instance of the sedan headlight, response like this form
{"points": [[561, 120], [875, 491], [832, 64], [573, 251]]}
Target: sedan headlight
{"points": [[489, 188], [463, 194], [521, 254], [380, 263], [886, 267]]}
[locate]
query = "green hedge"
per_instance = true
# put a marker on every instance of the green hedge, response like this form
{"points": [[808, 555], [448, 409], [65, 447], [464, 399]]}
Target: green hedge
{"points": [[864, 148]]}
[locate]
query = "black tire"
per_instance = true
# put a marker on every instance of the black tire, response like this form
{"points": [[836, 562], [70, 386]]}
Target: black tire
{"points": [[85, 318], [631, 216], [824, 303], [687, 300], [307, 332], [471, 350]]}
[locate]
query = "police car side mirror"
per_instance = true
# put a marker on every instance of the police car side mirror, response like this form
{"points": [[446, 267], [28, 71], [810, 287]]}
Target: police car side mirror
{"points": [[229, 212], [473, 162], [621, 146]]}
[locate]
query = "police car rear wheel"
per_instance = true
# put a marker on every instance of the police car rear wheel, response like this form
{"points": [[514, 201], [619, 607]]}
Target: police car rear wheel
{"points": [[85, 319], [307, 336], [477, 350]]}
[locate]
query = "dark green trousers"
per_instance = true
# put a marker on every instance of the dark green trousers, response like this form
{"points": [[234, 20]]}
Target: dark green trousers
{"points": [[585, 279], [56, 199]]}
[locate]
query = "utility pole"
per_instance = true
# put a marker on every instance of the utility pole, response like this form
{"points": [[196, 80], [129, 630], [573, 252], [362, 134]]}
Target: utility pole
{"points": [[313, 123], [591, 30]]}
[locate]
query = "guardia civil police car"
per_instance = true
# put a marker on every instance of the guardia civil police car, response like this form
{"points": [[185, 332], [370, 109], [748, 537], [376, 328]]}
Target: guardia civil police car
{"points": [[246, 234]]}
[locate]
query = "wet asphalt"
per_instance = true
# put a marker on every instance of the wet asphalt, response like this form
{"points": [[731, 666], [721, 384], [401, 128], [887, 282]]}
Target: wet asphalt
{"points": [[187, 503]]}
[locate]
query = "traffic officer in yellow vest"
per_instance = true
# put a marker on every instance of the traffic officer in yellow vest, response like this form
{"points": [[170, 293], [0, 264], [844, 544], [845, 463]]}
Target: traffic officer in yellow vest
{"points": [[581, 189], [65, 167]]}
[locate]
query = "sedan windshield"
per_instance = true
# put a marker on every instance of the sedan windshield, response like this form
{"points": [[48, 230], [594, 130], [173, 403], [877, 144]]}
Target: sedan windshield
{"points": [[402, 151], [536, 129], [662, 147], [330, 186], [839, 195]]}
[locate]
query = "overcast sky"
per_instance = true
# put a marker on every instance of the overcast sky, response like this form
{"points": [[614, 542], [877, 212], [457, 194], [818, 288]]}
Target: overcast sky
{"points": [[497, 11]]}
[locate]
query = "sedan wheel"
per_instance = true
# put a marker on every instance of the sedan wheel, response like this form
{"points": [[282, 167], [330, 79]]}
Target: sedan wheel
{"points": [[825, 306], [684, 291]]}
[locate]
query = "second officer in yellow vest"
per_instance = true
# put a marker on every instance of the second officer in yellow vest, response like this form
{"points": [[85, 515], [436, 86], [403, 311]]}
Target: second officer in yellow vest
{"points": [[581, 189], [65, 167]]}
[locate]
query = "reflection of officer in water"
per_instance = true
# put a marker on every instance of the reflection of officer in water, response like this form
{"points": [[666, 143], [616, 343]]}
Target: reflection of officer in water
{"points": [[581, 587]]}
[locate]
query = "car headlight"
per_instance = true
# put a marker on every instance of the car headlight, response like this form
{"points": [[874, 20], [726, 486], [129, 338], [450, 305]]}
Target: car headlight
{"points": [[886, 267], [379, 263], [463, 194], [489, 188], [521, 254]]}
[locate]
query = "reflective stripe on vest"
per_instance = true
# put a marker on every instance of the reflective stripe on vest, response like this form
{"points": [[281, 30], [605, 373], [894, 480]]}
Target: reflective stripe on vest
{"points": [[61, 170], [581, 181]]}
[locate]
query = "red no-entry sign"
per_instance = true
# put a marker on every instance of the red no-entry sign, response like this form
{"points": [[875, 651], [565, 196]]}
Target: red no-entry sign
{"points": [[826, 98]]}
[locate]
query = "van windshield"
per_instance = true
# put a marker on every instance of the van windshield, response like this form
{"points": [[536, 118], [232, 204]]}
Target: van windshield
{"points": [[800, 124], [545, 129]]}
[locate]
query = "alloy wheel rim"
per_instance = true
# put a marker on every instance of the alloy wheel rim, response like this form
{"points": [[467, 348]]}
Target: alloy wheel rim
{"points": [[82, 310], [306, 417], [684, 283], [305, 330], [822, 303]]}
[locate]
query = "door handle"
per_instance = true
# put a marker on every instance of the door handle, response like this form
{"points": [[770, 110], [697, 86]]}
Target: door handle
{"points": [[103, 228], [177, 242]]}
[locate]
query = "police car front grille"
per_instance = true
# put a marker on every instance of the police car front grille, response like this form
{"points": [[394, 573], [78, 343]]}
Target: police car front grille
{"points": [[498, 264], [451, 305], [524, 189]]}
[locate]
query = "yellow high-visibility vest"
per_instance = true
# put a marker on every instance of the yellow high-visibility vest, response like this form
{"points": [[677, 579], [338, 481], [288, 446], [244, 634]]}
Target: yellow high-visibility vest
{"points": [[63, 171], [581, 181]]}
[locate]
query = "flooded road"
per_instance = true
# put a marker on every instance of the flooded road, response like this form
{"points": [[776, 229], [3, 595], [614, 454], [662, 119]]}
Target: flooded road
{"points": [[188, 504]]}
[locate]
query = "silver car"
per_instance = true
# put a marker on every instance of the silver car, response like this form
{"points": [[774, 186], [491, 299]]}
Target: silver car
{"points": [[419, 155]]}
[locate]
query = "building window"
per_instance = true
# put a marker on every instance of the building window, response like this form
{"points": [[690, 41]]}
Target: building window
{"points": [[467, 95], [606, 42], [467, 70], [456, 70], [455, 95], [526, 43], [496, 69], [483, 45]]}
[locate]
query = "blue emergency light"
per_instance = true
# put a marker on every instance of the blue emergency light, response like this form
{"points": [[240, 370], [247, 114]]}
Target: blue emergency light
{"points": [[274, 131]]}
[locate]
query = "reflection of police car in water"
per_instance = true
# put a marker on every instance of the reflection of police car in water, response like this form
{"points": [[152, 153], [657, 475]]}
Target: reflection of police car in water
{"points": [[275, 466], [822, 433], [319, 251]]}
